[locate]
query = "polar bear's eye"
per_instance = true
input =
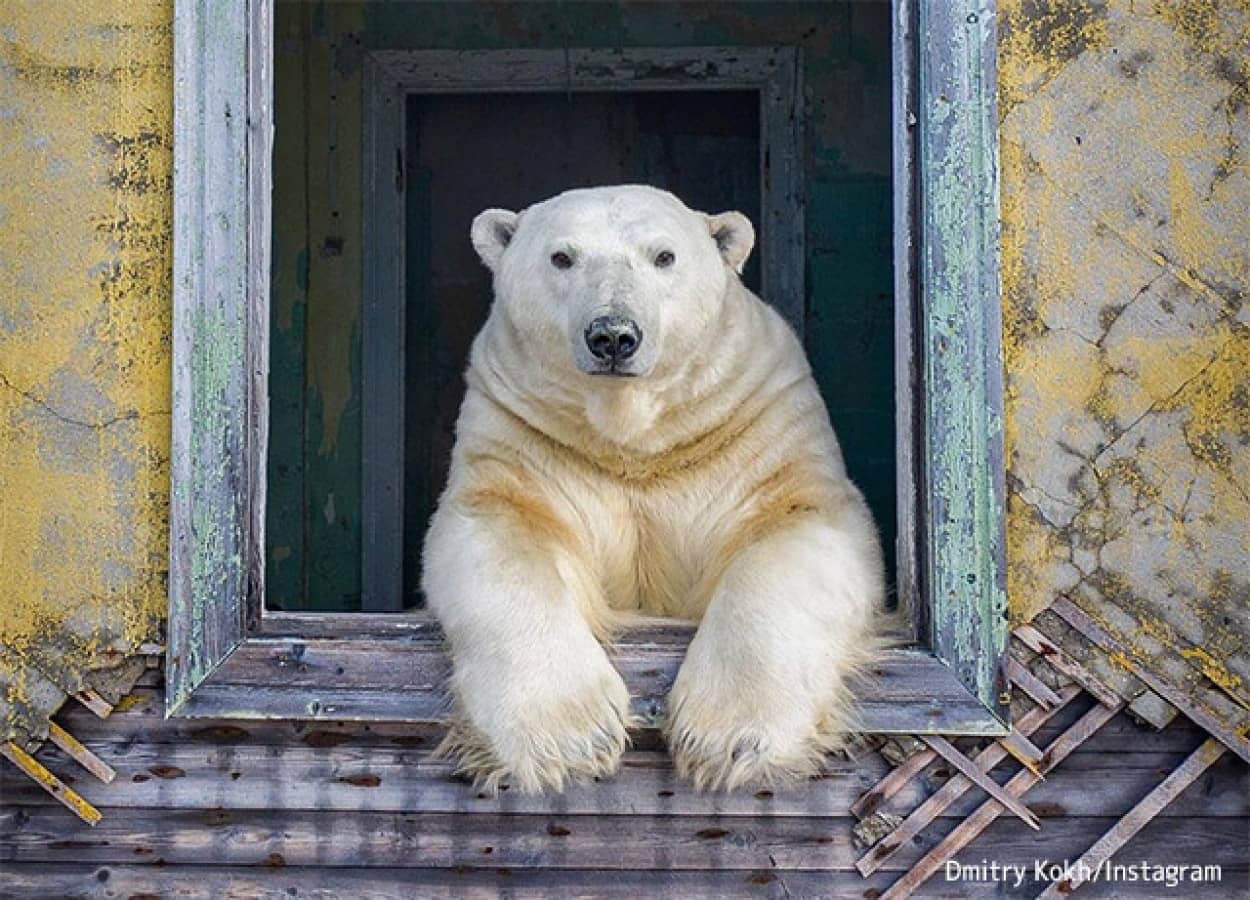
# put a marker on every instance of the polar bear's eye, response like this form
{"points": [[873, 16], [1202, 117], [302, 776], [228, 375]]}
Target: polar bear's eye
{"points": [[561, 260], [664, 259]]}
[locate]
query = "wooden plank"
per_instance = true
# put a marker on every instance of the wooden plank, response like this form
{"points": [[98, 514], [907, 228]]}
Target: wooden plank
{"points": [[91, 699], [911, 827], [50, 783], [80, 754], [259, 62], [968, 830], [892, 783], [908, 396], [29, 881], [383, 344], [240, 766], [1137, 818], [550, 841], [1062, 662], [959, 333], [402, 680], [944, 749], [138, 719], [210, 429], [1036, 689], [1023, 750], [1235, 736]]}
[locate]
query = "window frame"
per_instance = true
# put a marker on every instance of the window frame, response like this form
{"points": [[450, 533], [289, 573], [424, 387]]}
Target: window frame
{"points": [[227, 657]]}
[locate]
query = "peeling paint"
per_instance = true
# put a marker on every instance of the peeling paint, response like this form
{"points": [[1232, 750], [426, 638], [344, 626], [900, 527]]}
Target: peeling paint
{"points": [[1125, 326]]}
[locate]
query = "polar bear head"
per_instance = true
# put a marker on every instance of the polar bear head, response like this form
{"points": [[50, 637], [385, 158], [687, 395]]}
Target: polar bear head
{"points": [[612, 282]]}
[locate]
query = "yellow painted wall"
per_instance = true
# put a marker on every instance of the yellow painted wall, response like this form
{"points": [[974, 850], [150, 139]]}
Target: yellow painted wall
{"points": [[1126, 271], [85, 162]]}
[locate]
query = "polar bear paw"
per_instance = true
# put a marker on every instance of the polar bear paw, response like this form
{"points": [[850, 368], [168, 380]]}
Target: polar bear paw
{"points": [[547, 746], [716, 748]]}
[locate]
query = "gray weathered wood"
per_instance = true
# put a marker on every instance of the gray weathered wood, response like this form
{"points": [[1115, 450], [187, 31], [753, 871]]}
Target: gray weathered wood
{"points": [[1051, 652], [403, 680], [966, 768], [421, 841], [1235, 736], [1138, 817], [212, 419], [956, 787], [329, 768], [383, 345], [967, 831]]}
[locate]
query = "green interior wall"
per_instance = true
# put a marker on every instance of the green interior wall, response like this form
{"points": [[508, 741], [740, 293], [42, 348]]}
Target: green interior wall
{"points": [[314, 473]]}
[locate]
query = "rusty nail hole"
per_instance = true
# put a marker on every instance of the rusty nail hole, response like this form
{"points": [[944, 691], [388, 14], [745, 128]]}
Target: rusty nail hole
{"points": [[557, 830]]}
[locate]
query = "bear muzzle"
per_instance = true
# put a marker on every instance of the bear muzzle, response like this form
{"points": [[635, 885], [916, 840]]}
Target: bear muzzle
{"points": [[612, 341]]}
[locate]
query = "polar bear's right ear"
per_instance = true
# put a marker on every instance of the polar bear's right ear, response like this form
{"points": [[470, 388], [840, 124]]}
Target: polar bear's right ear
{"points": [[734, 236], [491, 232]]}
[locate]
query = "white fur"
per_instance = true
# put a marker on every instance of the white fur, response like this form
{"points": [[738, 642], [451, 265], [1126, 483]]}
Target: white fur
{"points": [[709, 486]]}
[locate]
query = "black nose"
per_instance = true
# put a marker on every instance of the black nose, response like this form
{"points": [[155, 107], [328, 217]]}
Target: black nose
{"points": [[613, 338]]}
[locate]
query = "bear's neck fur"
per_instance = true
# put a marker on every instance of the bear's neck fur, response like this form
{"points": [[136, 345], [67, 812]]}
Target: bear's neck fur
{"points": [[638, 428]]}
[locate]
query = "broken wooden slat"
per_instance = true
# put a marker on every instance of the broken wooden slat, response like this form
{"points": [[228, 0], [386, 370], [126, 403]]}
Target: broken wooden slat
{"points": [[1137, 818], [1024, 750], [947, 751], [50, 783], [1234, 736], [94, 702], [967, 831], [1037, 690], [1039, 643], [892, 783], [84, 757], [926, 812]]}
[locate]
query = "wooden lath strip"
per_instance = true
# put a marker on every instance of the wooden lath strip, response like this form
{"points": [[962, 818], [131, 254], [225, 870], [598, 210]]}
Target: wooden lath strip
{"points": [[1034, 688], [892, 783], [1023, 750], [981, 779], [50, 783], [94, 702], [1039, 643], [84, 757], [955, 788], [1233, 735], [966, 832], [1137, 817]]}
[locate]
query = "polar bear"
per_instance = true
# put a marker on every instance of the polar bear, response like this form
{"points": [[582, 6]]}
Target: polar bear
{"points": [[642, 435]]}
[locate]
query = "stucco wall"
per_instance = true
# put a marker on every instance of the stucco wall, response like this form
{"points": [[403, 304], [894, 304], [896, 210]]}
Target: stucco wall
{"points": [[1125, 187], [85, 123]]}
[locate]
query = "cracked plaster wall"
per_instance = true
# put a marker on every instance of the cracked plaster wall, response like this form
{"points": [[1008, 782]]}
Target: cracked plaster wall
{"points": [[1125, 191], [85, 121], [1126, 266]]}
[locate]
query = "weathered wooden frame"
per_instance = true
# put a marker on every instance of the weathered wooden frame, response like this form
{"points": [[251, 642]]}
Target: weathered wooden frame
{"points": [[390, 76], [226, 657]]}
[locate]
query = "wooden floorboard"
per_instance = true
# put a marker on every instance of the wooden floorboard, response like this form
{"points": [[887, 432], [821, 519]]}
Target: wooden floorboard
{"points": [[27, 882], [340, 838], [406, 779]]}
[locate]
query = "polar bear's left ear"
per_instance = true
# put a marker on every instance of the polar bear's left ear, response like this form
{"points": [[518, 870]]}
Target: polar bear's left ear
{"points": [[491, 232], [735, 237]]}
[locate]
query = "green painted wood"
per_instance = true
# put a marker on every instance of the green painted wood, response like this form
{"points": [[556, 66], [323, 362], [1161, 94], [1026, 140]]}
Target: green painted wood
{"points": [[285, 556], [959, 319], [218, 420]]}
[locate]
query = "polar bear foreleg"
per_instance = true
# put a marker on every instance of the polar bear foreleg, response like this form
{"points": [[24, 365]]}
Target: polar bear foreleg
{"points": [[537, 700], [762, 694]]}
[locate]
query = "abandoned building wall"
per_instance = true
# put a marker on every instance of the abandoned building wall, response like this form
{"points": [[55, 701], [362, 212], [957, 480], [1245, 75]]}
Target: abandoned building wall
{"points": [[1125, 185]]}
